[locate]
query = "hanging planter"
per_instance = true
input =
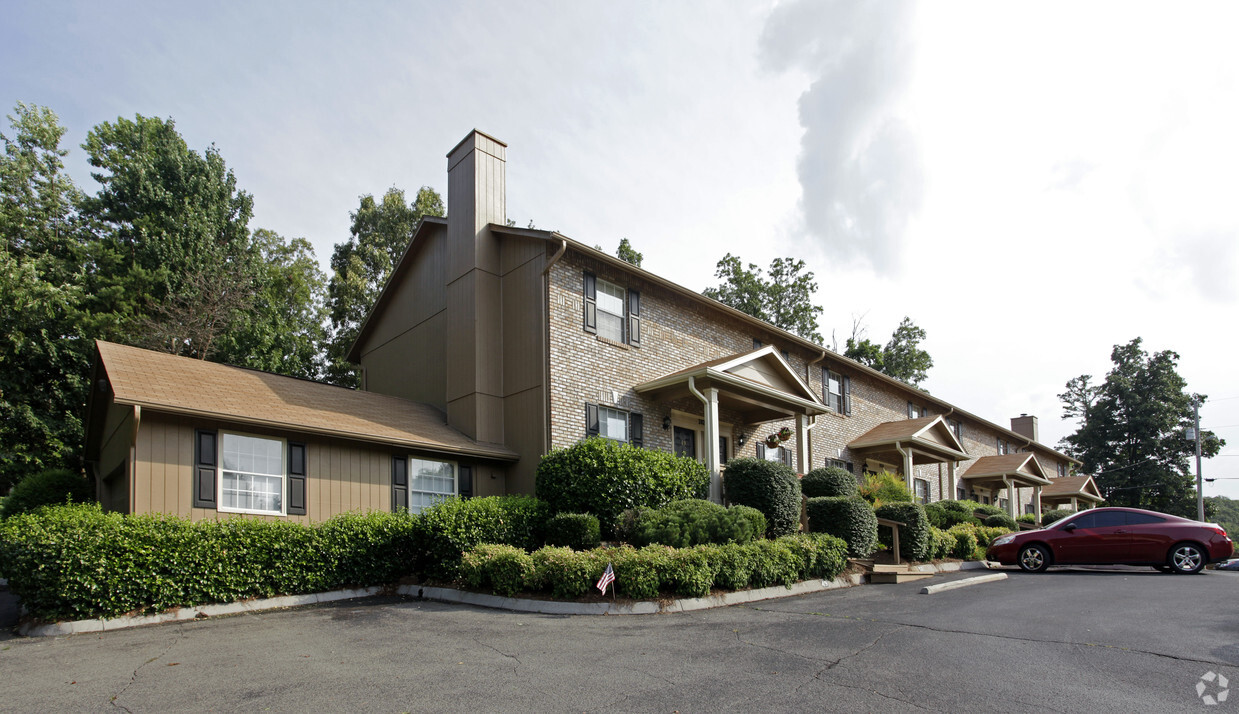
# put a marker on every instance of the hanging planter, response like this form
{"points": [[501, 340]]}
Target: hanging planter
{"points": [[772, 441], [785, 433]]}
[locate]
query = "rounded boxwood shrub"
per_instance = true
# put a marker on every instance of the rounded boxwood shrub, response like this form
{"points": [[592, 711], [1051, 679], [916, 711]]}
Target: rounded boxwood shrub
{"points": [[913, 535], [954, 512], [851, 519], [965, 536], [564, 572], [605, 477], [578, 531], [47, 488], [1056, 515], [1001, 520], [941, 543], [681, 524], [1028, 518], [829, 481], [989, 510], [502, 569], [770, 487]]}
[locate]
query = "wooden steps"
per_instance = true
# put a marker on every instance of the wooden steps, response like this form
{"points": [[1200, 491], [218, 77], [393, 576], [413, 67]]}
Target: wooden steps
{"points": [[880, 573]]}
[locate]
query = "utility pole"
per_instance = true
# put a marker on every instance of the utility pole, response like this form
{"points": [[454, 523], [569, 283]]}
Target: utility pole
{"points": [[1200, 492]]}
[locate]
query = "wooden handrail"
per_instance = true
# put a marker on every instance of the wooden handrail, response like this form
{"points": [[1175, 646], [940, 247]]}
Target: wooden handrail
{"points": [[894, 526]]}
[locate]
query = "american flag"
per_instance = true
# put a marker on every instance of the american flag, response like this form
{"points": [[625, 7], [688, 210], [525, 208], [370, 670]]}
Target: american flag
{"points": [[608, 577]]}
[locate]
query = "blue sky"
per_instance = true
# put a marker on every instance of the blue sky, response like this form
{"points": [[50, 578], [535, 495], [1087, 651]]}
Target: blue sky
{"points": [[1032, 183]]}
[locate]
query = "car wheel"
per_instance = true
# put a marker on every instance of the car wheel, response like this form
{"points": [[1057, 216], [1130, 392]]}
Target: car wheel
{"points": [[1187, 558], [1034, 559]]}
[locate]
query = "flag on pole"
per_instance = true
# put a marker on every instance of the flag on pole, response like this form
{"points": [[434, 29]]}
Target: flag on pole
{"points": [[608, 577]]}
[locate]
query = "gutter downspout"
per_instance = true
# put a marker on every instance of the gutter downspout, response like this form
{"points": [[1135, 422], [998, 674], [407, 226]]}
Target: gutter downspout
{"points": [[907, 466], [807, 366], [563, 248]]}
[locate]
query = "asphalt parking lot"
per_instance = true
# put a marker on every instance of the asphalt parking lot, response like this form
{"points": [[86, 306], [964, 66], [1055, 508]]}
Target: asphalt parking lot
{"points": [[1067, 640]]}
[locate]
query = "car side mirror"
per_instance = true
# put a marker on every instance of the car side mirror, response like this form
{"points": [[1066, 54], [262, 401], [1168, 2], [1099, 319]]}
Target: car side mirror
{"points": [[1069, 527]]}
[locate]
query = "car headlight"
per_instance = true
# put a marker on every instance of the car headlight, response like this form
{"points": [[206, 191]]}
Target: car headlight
{"points": [[1002, 540]]}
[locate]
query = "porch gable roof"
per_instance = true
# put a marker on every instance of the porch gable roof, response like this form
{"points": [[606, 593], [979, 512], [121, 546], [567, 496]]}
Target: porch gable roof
{"points": [[1066, 487], [930, 436], [1023, 468]]}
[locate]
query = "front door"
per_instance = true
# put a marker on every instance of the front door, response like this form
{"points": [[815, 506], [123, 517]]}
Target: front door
{"points": [[685, 442]]}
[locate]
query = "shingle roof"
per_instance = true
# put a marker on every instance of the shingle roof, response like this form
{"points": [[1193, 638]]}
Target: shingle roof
{"points": [[899, 429], [1024, 464], [1069, 486], [158, 381]]}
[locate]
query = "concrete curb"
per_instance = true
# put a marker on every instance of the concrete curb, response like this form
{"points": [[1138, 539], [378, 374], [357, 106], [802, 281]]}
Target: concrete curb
{"points": [[463, 597], [965, 582]]}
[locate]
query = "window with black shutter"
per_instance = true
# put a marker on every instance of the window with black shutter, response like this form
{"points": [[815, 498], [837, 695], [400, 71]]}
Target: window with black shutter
{"points": [[399, 484], [591, 302], [205, 455], [634, 318], [465, 482], [296, 479], [636, 429]]}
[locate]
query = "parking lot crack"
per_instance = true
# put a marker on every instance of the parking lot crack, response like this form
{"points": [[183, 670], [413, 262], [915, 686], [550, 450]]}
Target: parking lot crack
{"points": [[514, 658], [115, 699]]}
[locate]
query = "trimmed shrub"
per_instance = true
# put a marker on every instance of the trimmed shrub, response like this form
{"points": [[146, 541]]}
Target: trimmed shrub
{"points": [[827, 482], [851, 519], [579, 531], [639, 573], [821, 555], [913, 535], [606, 477], [882, 488], [965, 540], [954, 512], [941, 543], [47, 488], [1056, 515], [564, 572], [690, 572], [681, 524], [989, 510], [1001, 520], [1028, 518], [735, 565], [770, 487], [776, 564], [76, 562], [451, 527], [987, 534], [502, 569]]}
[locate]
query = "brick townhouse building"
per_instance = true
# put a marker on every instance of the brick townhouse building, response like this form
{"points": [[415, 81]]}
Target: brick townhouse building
{"points": [[491, 345]]}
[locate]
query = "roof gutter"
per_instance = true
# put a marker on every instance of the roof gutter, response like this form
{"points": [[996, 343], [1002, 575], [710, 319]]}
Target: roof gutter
{"points": [[563, 248]]}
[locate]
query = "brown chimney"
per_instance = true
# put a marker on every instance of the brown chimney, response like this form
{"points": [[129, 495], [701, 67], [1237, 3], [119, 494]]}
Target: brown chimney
{"points": [[1025, 425]]}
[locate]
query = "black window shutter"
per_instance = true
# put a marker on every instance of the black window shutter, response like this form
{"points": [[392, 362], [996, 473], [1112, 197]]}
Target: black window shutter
{"points": [[634, 318], [591, 420], [636, 429], [756, 344], [399, 484], [591, 304], [204, 469], [847, 396], [786, 453], [464, 484], [296, 479], [761, 451]]}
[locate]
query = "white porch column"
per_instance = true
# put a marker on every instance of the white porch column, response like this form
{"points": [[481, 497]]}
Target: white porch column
{"points": [[950, 480], [907, 468], [1012, 504], [1074, 507], [711, 410], [1037, 503], [802, 443]]}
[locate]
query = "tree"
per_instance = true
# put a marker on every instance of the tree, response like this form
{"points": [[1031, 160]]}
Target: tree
{"points": [[901, 358], [43, 357], [783, 299], [626, 253], [360, 266], [1131, 433], [166, 216]]}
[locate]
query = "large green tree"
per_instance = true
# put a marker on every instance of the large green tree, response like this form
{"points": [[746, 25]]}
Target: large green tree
{"points": [[360, 267], [43, 357], [901, 358], [1131, 433], [783, 296]]}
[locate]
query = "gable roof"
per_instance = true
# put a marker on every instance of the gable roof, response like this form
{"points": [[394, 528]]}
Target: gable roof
{"points": [[1069, 486], [1022, 467], [928, 433], [180, 385]]}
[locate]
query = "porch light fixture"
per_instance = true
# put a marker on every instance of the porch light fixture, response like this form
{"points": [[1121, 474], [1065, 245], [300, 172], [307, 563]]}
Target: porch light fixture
{"points": [[740, 437], [666, 423]]}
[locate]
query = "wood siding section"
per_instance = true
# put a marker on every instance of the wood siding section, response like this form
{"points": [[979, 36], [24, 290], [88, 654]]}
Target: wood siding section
{"points": [[343, 476]]}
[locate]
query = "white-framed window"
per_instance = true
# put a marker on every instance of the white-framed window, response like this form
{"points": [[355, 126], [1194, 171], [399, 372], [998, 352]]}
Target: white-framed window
{"points": [[610, 311], [613, 423], [1062, 469], [1003, 447], [957, 428], [834, 392], [915, 411], [430, 481], [251, 474], [922, 490]]}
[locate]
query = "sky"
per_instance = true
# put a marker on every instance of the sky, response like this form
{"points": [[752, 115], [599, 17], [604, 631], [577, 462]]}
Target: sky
{"points": [[1031, 183]]}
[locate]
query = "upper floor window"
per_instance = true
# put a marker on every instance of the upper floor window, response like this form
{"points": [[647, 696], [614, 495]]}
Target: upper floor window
{"points": [[612, 312], [838, 390], [914, 411], [1062, 469], [957, 428], [1003, 447]]}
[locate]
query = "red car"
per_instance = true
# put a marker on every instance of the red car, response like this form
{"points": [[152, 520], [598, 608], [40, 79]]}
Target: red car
{"points": [[1116, 536]]}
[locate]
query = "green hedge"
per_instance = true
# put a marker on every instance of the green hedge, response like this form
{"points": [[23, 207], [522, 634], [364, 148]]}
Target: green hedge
{"points": [[605, 477], [827, 482], [76, 562], [47, 488], [681, 524], [1056, 515], [447, 529], [770, 487], [965, 536], [851, 519], [579, 531], [944, 514], [913, 535], [656, 570], [941, 543], [1001, 520]]}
